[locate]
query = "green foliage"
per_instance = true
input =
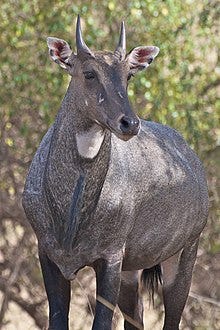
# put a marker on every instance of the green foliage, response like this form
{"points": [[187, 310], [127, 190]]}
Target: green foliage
{"points": [[178, 89]]}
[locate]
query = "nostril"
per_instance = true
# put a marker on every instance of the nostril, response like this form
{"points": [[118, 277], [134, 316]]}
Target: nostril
{"points": [[125, 122], [129, 125]]}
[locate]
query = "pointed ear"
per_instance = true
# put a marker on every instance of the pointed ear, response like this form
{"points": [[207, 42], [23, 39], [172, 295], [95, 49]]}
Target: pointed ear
{"points": [[141, 57], [59, 51]]}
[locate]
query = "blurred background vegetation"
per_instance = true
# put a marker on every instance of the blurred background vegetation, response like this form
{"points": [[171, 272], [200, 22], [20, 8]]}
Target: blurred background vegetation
{"points": [[181, 89]]}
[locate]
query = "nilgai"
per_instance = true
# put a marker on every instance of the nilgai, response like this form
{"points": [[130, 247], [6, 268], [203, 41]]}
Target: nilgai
{"points": [[114, 192]]}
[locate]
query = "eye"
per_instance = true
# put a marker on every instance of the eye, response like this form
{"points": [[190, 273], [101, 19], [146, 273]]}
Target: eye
{"points": [[89, 75]]}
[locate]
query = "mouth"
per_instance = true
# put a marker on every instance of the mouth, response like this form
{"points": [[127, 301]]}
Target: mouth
{"points": [[121, 135], [124, 137]]}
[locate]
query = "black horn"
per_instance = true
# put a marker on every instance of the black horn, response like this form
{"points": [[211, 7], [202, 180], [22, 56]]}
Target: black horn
{"points": [[120, 51], [80, 44]]}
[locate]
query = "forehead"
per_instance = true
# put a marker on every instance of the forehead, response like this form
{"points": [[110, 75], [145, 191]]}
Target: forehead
{"points": [[105, 62], [106, 57]]}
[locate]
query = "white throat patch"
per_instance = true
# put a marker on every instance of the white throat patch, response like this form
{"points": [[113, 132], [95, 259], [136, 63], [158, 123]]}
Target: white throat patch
{"points": [[89, 142]]}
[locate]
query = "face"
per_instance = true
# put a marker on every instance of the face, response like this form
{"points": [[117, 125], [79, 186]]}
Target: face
{"points": [[99, 81]]}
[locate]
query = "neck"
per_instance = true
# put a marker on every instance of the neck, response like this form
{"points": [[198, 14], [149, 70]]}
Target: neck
{"points": [[89, 141], [77, 167], [80, 135]]}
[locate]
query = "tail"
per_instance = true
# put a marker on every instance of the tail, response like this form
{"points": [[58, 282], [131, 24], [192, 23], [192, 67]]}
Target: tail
{"points": [[150, 278]]}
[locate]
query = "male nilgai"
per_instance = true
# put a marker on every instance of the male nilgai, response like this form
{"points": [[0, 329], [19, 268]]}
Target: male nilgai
{"points": [[109, 190]]}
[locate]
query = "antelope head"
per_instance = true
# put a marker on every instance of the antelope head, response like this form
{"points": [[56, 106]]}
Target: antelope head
{"points": [[100, 80]]}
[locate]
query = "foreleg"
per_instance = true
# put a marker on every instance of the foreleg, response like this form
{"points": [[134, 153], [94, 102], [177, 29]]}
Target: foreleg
{"points": [[58, 293], [108, 276], [130, 301]]}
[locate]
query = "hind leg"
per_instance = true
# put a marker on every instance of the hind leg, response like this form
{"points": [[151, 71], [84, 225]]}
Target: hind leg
{"points": [[58, 293], [130, 302], [177, 275]]}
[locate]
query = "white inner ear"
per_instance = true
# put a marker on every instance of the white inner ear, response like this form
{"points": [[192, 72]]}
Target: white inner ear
{"points": [[59, 50], [136, 60], [89, 142]]}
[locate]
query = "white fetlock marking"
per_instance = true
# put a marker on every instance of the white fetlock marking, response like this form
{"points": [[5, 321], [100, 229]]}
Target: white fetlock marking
{"points": [[89, 142]]}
